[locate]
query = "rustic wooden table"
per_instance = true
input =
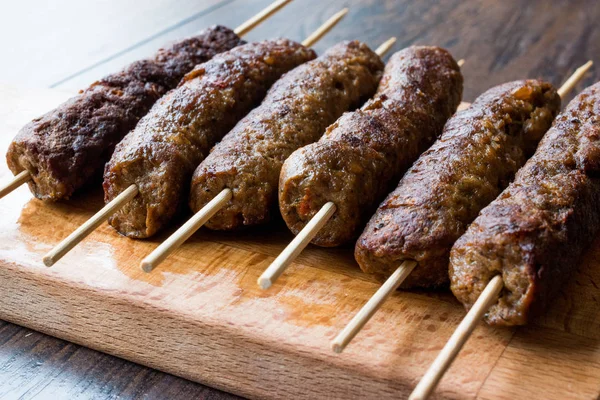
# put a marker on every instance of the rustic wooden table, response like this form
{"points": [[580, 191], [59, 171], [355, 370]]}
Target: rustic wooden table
{"points": [[68, 44]]}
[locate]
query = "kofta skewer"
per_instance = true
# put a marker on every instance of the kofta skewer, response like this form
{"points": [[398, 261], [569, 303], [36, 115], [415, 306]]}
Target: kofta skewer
{"points": [[164, 188], [62, 150], [311, 229], [247, 162], [308, 232], [497, 145], [224, 76], [347, 173], [527, 242], [206, 116], [182, 127]]}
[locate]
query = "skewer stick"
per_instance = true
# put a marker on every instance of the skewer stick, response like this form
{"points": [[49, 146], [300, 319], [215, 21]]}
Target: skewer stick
{"points": [[25, 176], [573, 79], [385, 46], [182, 234], [323, 29], [442, 362], [296, 246], [200, 218], [88, 227], [365, 314], [293, 250], [461, 62], [17, 181], [487, 298], [187, 230], [260, 17]]}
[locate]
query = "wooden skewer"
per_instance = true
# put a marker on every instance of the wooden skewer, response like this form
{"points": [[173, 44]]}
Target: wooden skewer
{"points": [[200, 218], [573, 79], [363, 316], [88, 227], [187, 230], [25, 176], [17, 181], [260, 17], [296, 246], [323, 29], [488, 297], [442, 362], [461, 62], [385, 46], [119, 201], [293, 250]]}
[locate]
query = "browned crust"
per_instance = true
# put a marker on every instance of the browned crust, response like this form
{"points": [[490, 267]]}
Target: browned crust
{"points": [[67, 147], [365, 152], [535, 232], [295, 112], [160, 154], [476, 157]]}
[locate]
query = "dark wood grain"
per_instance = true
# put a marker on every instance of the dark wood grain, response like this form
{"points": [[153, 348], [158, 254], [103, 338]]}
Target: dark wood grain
{"points": [[501, 41], [33, 364], [70, 44]]}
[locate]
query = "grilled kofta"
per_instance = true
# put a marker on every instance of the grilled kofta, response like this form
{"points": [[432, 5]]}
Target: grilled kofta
{"points": [[295, 112], [67, 147], [476, 157], [160, 154], [366, 151], [535, 232]]}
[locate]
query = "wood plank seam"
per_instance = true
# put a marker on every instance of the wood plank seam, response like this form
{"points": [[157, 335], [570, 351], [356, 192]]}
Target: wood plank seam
{"points": [[134, 46]]}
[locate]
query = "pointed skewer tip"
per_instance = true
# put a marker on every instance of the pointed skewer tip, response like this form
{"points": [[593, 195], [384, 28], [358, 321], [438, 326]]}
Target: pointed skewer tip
{"points": [[90, 225], [264, 283], [461, 334], [323, 29], [261, 16], [48, 261], [577, 75], [147, 267], [370, 308], [337, 348], [159, 254], [292, 250], [385, 46]]}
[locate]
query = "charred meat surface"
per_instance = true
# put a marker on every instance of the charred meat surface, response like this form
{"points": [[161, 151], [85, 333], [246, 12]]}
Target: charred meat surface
{"points": [[296, 111], [67, 147], [476, 157], [536, 231], [161, 153], [365, 152]]}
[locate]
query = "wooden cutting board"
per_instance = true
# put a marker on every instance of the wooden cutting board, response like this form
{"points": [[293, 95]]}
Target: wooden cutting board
{"points": [[201, 315]]}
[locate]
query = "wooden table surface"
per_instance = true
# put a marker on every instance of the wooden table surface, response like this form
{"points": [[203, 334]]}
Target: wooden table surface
{"points": [[67, 44]]}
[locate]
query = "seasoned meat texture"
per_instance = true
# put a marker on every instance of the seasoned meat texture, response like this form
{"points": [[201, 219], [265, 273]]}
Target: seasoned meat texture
{"points": [[67, 147], [160, 155], [476, 157], [535, 232], [366, 151], [295, 112]]}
